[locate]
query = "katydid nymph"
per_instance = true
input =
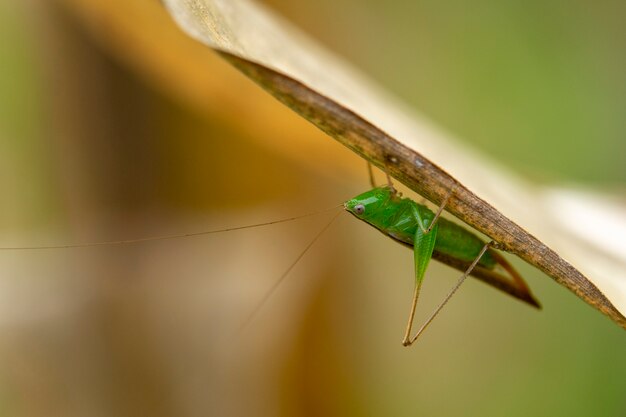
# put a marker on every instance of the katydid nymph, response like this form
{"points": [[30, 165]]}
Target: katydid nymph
{"points": [[430, 235], [410, 224]]}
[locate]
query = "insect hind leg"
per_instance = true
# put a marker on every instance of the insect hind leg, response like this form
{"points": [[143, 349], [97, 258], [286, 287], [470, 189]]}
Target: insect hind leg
{"points": [[450, 294]]}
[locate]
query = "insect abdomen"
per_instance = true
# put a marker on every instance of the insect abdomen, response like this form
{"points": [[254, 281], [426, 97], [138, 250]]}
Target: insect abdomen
{"points": [[455, 241]]}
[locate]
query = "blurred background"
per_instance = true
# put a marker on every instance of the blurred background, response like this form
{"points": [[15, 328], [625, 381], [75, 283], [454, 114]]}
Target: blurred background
{"points": [[114, 125]]}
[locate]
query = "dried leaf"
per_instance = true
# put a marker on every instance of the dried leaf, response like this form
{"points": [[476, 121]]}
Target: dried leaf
{"points": [[343, 103]]}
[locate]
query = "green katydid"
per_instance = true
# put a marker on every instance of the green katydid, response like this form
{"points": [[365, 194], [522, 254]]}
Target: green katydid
{"points": [[429, 235], [407, 222]]}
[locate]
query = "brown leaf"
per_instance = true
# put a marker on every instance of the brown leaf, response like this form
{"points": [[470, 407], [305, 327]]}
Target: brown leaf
{"points": [[344, 104]]}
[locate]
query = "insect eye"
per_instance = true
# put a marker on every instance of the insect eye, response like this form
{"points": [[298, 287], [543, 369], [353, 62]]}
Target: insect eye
{"points": [[359, 209]]}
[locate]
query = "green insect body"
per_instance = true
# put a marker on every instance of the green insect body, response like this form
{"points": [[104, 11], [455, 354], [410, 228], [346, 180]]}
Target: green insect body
{"points": [[399, 218], [407, 222]]}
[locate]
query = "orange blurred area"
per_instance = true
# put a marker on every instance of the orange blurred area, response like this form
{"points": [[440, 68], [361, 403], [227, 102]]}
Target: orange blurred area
{"points": [[114, 125]]}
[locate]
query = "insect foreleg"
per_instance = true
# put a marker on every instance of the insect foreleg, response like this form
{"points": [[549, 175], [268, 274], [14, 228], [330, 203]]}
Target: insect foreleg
{"points": [[390, 183], [370, 172]]}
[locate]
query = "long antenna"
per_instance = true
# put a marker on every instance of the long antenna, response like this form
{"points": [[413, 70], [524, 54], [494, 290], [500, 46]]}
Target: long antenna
{"points": [[167, 237], [279, 281]]}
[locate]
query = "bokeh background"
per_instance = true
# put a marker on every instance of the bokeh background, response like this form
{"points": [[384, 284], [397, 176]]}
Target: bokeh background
{"points": [[114, 125]]}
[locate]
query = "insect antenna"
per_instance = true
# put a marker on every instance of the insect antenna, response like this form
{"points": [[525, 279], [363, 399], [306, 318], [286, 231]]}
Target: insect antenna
{"points": [[279, 281], [167, 237]]}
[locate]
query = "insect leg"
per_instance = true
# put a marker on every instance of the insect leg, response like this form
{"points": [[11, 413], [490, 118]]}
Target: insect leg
{"points": [[420, 221], [423, 246], [390, 183], [370, 171], [450, 294], [441, 207]]}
